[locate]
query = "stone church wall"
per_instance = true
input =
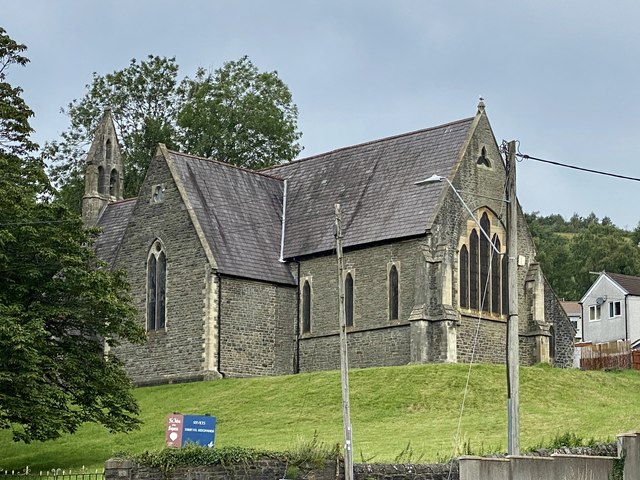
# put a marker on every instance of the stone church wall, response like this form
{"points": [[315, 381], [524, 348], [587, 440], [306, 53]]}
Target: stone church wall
{"points": [[565, 334], [175, 353], [257, 328], [374, 340], [490, 343]]}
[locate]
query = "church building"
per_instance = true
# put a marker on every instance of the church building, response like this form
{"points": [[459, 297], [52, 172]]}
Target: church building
{"points": [[234, 272]]}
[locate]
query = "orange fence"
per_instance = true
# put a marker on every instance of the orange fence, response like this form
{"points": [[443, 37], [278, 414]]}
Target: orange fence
{"points": [[606, 356]]}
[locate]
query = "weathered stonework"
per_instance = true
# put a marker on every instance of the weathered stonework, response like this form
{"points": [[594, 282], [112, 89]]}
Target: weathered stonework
{"points": [[177, 352], [257, 330], [240, 313]]}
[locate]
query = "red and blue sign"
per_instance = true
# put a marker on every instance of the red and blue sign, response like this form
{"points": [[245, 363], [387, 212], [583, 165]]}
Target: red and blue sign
{"points": [[196, 429]]}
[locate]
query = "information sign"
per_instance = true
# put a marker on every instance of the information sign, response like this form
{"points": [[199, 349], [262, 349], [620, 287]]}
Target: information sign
{"points": [[183, 429]]}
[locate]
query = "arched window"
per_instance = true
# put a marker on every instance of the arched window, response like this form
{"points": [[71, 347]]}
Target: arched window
{"points": [[393, 293], [113, 183], [485, 252], [348, 300], [108, 150], [306, 307], [495, 277], [505, 284], [482, 269], [102, 181], [464, 277], [156, 287], [552, 343], [473, 270]]}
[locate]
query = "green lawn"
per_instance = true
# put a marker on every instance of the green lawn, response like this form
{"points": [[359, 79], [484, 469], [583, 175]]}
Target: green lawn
{"points": [[391, 408]]}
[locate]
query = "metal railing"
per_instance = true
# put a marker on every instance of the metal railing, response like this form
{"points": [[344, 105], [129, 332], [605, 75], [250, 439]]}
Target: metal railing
{"points": [[52, 474]]}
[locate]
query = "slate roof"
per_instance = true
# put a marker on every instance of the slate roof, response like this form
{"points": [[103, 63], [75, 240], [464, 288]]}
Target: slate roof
{"points": [[239, 212], [630, 283], [113, 222], [572, 309], [374, 183]]}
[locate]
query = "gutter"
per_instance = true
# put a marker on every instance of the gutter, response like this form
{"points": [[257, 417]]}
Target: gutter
{"points": [[626, 317], [284, 217]]}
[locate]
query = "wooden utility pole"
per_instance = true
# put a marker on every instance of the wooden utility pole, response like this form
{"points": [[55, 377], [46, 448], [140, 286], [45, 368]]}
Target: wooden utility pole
{"points": [[344, 361], [513, 338]]}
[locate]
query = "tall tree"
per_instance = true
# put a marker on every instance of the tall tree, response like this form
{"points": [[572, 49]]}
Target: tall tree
{"points": [[58, 306], [144, 99], [569, 250], [235, 114], [239, 115]]}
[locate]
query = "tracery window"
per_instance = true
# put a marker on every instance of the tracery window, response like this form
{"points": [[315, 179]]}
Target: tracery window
{"points": [[482, 272], [156, 287]]}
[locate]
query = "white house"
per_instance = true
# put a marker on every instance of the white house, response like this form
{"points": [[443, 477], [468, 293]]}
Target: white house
{"points": [[611, 309], [574, 312]]}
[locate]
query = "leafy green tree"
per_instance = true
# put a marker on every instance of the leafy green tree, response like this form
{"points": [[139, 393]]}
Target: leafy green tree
{"points": [[239, 115], [236, 114], [58, 305], [569, 250], [602, 247], [144, 99]]}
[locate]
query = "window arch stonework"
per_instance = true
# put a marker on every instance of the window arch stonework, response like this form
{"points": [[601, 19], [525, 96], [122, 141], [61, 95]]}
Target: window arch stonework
{"points": [[305, 305], [156, 287], [481, 273], [348, 299]]}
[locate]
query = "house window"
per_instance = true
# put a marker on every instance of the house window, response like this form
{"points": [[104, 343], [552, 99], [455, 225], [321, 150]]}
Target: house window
{"points": [[393, 293], [306, 307], [614, 309], [348, 300], [552, 343], [594, 312], [156, 287]]}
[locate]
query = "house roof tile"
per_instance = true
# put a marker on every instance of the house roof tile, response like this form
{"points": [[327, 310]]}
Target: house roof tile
{"points": [[630, 283]]}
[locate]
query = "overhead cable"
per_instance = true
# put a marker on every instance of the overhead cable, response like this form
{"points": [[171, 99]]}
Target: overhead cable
{"points": [[609, 174]]}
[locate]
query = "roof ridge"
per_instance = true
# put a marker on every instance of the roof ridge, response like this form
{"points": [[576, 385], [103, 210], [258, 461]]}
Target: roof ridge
{"points": [[224, 164], [124, 200], [370, 142], [621, 275]]}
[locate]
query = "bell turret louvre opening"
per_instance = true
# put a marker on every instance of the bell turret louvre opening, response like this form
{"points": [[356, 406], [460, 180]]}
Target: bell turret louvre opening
{"points": [[104, 162]]}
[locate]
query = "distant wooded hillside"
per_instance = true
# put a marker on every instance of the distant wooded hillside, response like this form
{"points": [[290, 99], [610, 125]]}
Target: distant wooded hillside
{"points": [[568, 250]]}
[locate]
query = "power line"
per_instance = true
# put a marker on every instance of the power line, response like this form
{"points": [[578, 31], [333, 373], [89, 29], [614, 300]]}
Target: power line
{"points": [[599, 172]]}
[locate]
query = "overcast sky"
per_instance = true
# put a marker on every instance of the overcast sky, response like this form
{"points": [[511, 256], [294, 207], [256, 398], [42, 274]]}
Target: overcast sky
{"points": [[562, 77]]}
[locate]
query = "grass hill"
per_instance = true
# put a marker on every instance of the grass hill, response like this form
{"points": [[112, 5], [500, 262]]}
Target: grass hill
{"points": [[412, 409]]}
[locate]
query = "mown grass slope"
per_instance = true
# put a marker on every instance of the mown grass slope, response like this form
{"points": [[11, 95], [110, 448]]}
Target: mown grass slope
{"points": [[415, 409]]}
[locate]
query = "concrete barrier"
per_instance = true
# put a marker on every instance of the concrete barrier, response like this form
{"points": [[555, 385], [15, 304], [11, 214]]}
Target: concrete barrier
{"points": [[626, 466]]}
